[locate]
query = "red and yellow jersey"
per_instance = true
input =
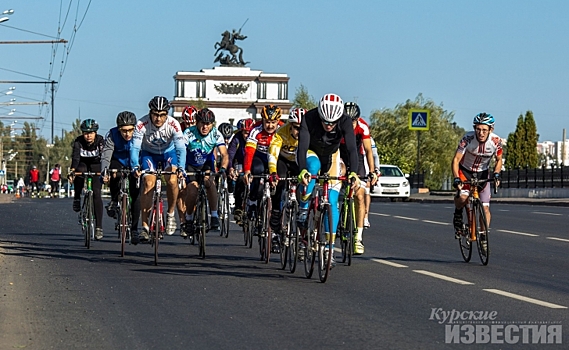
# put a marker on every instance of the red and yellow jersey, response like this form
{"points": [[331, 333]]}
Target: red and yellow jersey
{"points": [[284, 145]]}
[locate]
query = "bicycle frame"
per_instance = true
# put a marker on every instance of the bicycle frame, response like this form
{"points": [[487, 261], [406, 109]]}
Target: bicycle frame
{"points": [[123, 220], [263, 215], [200, 222], [87, 218]]}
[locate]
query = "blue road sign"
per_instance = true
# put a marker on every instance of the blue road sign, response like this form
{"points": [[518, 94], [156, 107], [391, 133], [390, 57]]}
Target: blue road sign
{"points": [[419, 119]]}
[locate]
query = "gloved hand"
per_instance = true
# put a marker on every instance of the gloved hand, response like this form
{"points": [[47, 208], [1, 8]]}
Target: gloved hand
{"points": [[373, 177], [304, 177], [356, 179], [181, 173], [71, 174], [497, 176], [456, 182], [222, 171], [274, 179]]}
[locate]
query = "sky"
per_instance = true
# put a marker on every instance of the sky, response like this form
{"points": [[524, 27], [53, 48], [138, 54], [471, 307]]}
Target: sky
{"points": [[504, 57]]}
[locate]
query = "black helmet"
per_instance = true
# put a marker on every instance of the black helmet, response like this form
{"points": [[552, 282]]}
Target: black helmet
{"points": [[159, 103], [225, 129], [352, 110], [126, 118], [205, 115], [89, 125]]}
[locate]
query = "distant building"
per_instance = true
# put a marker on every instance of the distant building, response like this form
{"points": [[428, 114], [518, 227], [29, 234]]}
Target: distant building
{"points": [[232, 93], [553, 151]]}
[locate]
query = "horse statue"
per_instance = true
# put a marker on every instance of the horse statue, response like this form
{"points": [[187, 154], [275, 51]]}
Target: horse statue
{"points": [[227, 43]]}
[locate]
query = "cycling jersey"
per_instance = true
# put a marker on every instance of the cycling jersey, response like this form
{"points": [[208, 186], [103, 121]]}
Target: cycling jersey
{"points": [[257, 145], [236, 150], [313, 136], [200, 147], [154, 140], [362, 133], [282, 145], [86, 153], [477, 156], [115, 147]]}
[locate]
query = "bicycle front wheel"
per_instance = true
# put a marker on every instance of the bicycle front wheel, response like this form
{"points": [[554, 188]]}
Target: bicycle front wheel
{"points": [[325, 243], [482, 233], [223, 212], [349, 233], [464, 238], [284, 236], [90, 219], [294, 238], [202, 217], [310, 244]]}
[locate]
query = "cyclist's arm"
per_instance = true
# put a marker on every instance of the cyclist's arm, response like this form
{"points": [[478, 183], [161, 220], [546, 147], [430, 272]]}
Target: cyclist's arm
{"points": [[274, 150], [136, 145], [232, 150], [455, 163], [76, 154], [222, 149], [108, 149], [303, 144], [498, 165], [180, 146], [250, 148], [350, 138]]}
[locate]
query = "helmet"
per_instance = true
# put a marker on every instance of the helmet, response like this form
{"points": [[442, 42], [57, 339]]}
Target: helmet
{"points": [[159, 103], [330, 108], [352, 110], [205, 115], [245, 124], [89, 125], [34, 167], [271, 112], [225, 129], [484, 118], [189, 114], [296, 114], [126, 118]]}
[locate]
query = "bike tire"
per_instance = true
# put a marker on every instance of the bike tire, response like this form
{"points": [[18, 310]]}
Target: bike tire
{"points": [[294, 239], [350, 231], [325, 255], [464, 242], [342, 233], [262, 231], [202, 228], [124, 223], [309, 241], [158, 224], [481, 226], [90, 220], [284, 237], [225, 221]]}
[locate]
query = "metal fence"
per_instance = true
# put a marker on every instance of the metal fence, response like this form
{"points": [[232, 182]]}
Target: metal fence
{"points": [[417, 180], [557, 177]]}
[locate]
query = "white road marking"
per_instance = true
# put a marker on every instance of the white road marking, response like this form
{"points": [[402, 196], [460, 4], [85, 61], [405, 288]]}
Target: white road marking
{"points": [[526, 299], [443, 277], [404, 217], [387, 262], [558, 239], [436, 222], [379, 214], [519, 233], [546, 213], [504, 210]]}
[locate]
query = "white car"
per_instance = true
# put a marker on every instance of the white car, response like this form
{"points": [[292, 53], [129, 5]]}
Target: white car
{"points": [[392, 183]]}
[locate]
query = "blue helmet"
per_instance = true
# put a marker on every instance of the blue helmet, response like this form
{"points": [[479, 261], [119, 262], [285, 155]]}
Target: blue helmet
{"points": [[484, 118]]}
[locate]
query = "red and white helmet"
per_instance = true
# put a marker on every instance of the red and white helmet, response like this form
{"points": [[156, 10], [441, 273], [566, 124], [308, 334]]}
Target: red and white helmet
{"points": [[330, 108], [189, 115], [296, 114]]}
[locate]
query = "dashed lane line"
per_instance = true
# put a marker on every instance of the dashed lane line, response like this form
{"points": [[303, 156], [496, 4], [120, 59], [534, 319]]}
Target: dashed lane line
{"points": [[519, 233], [558, 239], [443, 277], [405, 218], [546, 213], [526, 299], [379, 214], [387, 262], [436, 222]]}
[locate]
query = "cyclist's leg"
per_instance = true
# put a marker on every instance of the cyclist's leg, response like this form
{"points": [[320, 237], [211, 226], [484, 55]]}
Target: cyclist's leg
{"points": [[168, 160], [459, 202], [313, 166], [148, 162], [485, 200], [78, 183], [257, 168], [135, 204], [360, 211], [97, 199], [191, 199], [239, 191], [282, 169], [211, 191]]}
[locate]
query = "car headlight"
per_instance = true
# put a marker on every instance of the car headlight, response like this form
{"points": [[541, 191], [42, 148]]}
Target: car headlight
{"points": [[405, 183]]}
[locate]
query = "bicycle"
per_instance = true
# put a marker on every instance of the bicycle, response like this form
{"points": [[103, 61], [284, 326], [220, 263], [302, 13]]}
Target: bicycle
{"points": [[475, 227], [223, 205], [200, 221], [123, 216], [314, 236], [246, 221], [347, 225], [289, 234], [156, 220], [87, 214], [260, 220]]}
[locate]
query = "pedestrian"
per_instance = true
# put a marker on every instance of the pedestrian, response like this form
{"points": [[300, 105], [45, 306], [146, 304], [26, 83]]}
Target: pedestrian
{"points": [[54, 178]]}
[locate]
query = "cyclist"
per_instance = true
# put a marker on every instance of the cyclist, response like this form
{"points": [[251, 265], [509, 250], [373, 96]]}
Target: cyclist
{"points": [[158, 138], [202, 140], [368, 185], [321, 132], [256, 151], [116, 155], [363, 143], [188, 119], [473, 156], [86, 156], [226, 130], [236, 152], [282, 158]]}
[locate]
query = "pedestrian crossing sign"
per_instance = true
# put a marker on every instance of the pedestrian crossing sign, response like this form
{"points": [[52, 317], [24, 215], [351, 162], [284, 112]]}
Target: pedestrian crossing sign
{"points": [[419, 119]]}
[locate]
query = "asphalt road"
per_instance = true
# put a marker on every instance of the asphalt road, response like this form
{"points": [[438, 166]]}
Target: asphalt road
{"points": [[55, 294]]}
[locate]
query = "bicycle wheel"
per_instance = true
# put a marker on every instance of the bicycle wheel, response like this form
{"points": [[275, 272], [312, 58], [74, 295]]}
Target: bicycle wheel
{"points": [[464, 238], [294, 238], [284, 237], [309, 243], [342, 234], [223, 212], [325, 243], [482, 233], [90, 220], [350, 231], [263, 232], [202, 227], [158, 225], [124, 223]]}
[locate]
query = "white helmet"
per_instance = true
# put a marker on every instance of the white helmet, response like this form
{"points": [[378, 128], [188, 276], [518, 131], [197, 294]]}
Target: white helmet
{"points": [[330, 108]]}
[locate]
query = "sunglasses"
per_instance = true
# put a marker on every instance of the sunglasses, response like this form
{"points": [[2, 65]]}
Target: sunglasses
{"points": [[295, 127], [126, 131], [329, 123], [159, 115]]}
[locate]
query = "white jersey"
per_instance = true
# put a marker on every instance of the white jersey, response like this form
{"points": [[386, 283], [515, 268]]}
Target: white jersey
{"points": [[477, 156]]}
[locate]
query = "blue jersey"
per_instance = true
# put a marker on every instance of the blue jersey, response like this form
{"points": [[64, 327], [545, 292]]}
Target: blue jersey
{"points": [[200, 148]]}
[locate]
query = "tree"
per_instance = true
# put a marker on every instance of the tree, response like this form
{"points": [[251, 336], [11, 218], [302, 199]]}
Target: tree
{"points": [[530, 145], [397, 145], [302, 99], [522, 144]]}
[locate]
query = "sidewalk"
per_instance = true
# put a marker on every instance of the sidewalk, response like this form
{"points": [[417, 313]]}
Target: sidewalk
{"points": [[6, 198], [443, 197]]}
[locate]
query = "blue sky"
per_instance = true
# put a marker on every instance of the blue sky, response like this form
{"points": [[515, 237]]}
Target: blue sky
{"points": [[501, 56]]}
